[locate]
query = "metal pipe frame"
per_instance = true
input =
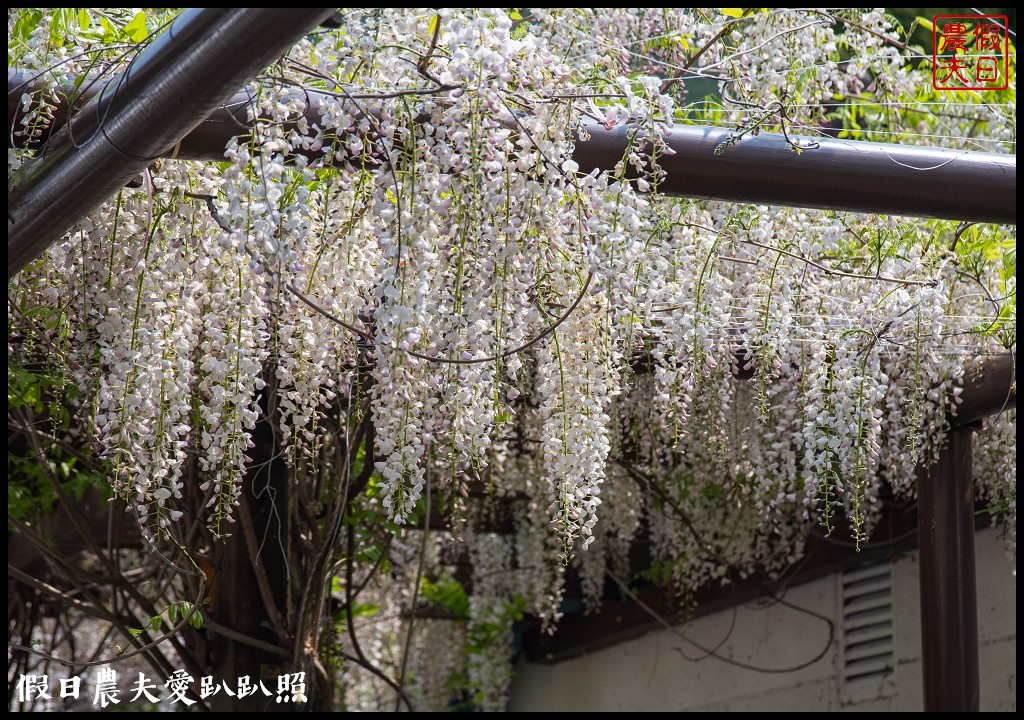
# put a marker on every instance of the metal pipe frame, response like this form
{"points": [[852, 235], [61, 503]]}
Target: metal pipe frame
{"points": [[841, 175], [194, 66]]}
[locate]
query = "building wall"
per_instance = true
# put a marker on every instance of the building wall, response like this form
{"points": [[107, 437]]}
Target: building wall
{"points": [[667, 671]]}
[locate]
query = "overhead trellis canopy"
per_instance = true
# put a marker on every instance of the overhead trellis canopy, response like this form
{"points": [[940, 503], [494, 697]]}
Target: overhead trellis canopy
{"points": [[843, 175], [189, 71], [180, 99]]}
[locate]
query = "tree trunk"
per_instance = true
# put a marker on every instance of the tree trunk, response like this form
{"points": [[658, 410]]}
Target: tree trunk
{"points": [[249, 585]]}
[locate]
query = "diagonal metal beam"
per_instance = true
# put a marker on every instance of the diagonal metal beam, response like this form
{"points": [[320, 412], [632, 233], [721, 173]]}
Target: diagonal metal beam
{"points": [[203, 57]]}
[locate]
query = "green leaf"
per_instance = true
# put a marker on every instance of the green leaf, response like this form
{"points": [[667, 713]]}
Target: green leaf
{"points": [[519, 28], [449, 594], [19, 502], [25, 24], [136, 29], [365, 609], [109, 31], [156, 622], [84, 21], [731, 12]]}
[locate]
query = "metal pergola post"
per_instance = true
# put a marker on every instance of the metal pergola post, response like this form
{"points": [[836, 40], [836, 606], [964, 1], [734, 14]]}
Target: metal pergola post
{"points": [[945, 506], [949, 605], [840, 175]]}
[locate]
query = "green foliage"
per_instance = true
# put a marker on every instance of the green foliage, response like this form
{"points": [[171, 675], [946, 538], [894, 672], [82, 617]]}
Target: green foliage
{"points": [[980, 249], [30, 491], [42, 397], [78, 26], [27, 21], [447, 594], [183, 609], [520, 29], [485, 632], [659, 573]]}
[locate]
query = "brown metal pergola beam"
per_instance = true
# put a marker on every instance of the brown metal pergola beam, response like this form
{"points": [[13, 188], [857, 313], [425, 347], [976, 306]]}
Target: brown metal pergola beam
{"points": [[185, 73], [989, 387], [842, 175]]}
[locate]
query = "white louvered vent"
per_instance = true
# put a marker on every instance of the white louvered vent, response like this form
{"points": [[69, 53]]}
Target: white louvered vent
{"points": [[866, 655]]}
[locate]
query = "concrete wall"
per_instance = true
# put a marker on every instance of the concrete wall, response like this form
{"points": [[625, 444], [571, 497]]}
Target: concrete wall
{"points": [[665, 671]]}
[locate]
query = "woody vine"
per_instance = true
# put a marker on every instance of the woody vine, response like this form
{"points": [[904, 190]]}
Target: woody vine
{"points": [[413, 335]]}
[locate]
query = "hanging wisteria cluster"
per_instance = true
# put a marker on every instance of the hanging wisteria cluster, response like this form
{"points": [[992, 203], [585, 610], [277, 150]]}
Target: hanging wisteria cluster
{"points": [[405, 224]]}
